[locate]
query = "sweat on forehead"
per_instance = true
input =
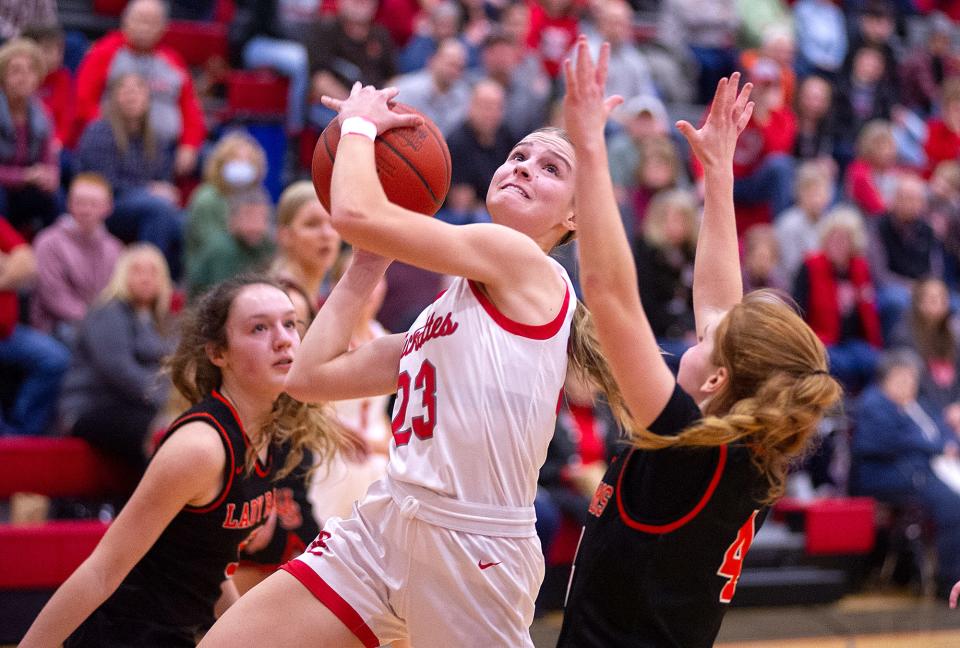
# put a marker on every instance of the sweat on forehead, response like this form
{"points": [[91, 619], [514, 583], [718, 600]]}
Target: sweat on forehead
{"points": [[554, 142]]}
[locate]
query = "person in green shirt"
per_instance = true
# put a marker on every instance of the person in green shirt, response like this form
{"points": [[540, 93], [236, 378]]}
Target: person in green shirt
{"points": [[246, 246], [237, 164]]}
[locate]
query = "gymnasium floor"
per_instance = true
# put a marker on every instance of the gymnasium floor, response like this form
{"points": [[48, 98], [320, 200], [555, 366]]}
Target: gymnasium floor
{"points": [[889, 620]]}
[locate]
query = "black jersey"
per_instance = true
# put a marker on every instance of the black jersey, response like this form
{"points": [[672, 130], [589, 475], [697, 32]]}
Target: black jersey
{"points": [[662, 551], [171, 592], [296, 527]]}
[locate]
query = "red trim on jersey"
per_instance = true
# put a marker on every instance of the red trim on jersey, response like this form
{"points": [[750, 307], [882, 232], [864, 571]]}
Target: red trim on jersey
{"points": [[260, 567], [539, 332], [676, 524], [231, 464], [262, 470], [334, 602]]}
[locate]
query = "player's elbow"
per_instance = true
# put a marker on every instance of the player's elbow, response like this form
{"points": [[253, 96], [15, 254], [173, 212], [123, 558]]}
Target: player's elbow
{"points": [[347, 215], [296, 384], [304, 385]]}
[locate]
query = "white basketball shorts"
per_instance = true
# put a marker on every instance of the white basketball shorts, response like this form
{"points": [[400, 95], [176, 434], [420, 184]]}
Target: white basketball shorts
{"points": [[412, 564]]}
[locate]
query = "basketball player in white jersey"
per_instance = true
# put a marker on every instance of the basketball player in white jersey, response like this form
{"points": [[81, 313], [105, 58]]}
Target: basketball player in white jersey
{"points": [[443, 550]]}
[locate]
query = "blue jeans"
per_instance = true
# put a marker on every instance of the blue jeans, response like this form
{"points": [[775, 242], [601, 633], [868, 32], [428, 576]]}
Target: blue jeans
{"points": [[42, 361], [138, 215], [288, 58], [771, 183]]}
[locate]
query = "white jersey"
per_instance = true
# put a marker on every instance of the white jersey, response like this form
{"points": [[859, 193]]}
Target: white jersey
{"points": [[477, 397]]}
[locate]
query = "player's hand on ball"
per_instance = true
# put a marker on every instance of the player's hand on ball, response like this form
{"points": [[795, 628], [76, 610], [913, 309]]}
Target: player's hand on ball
{"points": [[372, 104]]}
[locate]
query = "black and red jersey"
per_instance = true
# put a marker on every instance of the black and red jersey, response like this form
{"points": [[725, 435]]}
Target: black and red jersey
{"points": [[664, 545], [296, 526], [173, 589]]}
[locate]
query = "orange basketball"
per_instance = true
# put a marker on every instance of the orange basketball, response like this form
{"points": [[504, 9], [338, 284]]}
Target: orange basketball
{"points": [[413, 164]]}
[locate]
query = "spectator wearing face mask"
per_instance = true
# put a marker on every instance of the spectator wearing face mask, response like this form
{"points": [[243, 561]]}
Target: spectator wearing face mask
{"points": [[236, 164]]}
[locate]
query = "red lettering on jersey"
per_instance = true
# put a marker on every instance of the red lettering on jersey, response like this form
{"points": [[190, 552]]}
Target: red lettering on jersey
{"points": [[229, 522], [600, 499], [256, 510], [733, 558], [319, 545], [435, 327], [252, 513]]}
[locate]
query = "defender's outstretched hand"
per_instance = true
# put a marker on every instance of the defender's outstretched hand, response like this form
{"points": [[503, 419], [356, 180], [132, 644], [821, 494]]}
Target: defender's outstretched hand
{"points": [[715, 141], [372, 104], [585, 109]]}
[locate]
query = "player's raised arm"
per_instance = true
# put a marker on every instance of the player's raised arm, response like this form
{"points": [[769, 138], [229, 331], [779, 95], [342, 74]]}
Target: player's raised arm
{"points": [[717, 282], [364, 216], [607, 272], [324, 369]]}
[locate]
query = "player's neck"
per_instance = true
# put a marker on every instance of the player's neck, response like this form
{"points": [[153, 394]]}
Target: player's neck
{"points": [[254, 411]]}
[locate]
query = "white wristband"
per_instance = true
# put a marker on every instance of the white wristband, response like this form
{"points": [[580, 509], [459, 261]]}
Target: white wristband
{"points": [[359, 126]]}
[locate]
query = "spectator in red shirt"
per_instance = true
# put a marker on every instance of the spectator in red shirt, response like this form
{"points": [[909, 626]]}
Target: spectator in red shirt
{"points": [[554, 26], [943, 132], [871, 176], [835, 289], [175, 111], [763, 166], [36, 359], [29, 163]]}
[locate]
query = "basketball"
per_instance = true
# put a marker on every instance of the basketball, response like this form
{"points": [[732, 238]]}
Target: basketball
{"points": [[413, 164]]}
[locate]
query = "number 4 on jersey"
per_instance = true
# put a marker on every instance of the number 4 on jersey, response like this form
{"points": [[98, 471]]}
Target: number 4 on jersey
{"points": [[733, 558]]}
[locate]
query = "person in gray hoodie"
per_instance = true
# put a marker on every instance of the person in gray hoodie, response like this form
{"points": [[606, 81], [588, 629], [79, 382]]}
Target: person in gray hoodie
{"points": [[114, 388]]}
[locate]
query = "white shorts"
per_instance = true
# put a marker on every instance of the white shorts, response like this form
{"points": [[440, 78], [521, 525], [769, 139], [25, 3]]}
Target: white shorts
{"points": [[397, 570]]}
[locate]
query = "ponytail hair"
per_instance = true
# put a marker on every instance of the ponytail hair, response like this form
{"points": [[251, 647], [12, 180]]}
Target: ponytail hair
{"points": [[298, 426], [589, 364], [777, 389]]}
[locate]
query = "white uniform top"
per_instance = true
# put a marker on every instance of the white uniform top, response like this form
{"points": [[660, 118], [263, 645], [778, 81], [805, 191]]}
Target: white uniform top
{"points": [[477, 398]]}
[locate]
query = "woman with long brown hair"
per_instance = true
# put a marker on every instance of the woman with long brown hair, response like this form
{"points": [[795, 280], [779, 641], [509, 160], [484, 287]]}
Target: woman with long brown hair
{"points": [[155, 577], [673, 518], [933, 331]]}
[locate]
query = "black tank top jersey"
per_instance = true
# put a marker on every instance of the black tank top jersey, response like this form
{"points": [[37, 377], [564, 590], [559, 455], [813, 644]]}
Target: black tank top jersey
{"points": [[296, 527], [667, 534], [172, 590]]}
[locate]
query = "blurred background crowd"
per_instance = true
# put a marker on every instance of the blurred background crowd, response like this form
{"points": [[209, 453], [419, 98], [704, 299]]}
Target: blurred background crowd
{"points": [[149, 150]]}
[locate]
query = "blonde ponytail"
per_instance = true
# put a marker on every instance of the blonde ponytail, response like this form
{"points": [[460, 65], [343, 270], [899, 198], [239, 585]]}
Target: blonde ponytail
{"points": [[776, 392], [589, 364]]}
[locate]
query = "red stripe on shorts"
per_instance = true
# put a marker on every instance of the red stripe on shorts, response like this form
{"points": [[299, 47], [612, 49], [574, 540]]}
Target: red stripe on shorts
{"points": [[334, 602]]}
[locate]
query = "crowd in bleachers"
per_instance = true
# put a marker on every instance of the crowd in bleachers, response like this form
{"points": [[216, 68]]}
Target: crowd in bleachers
{"points": [[131, 180]]}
